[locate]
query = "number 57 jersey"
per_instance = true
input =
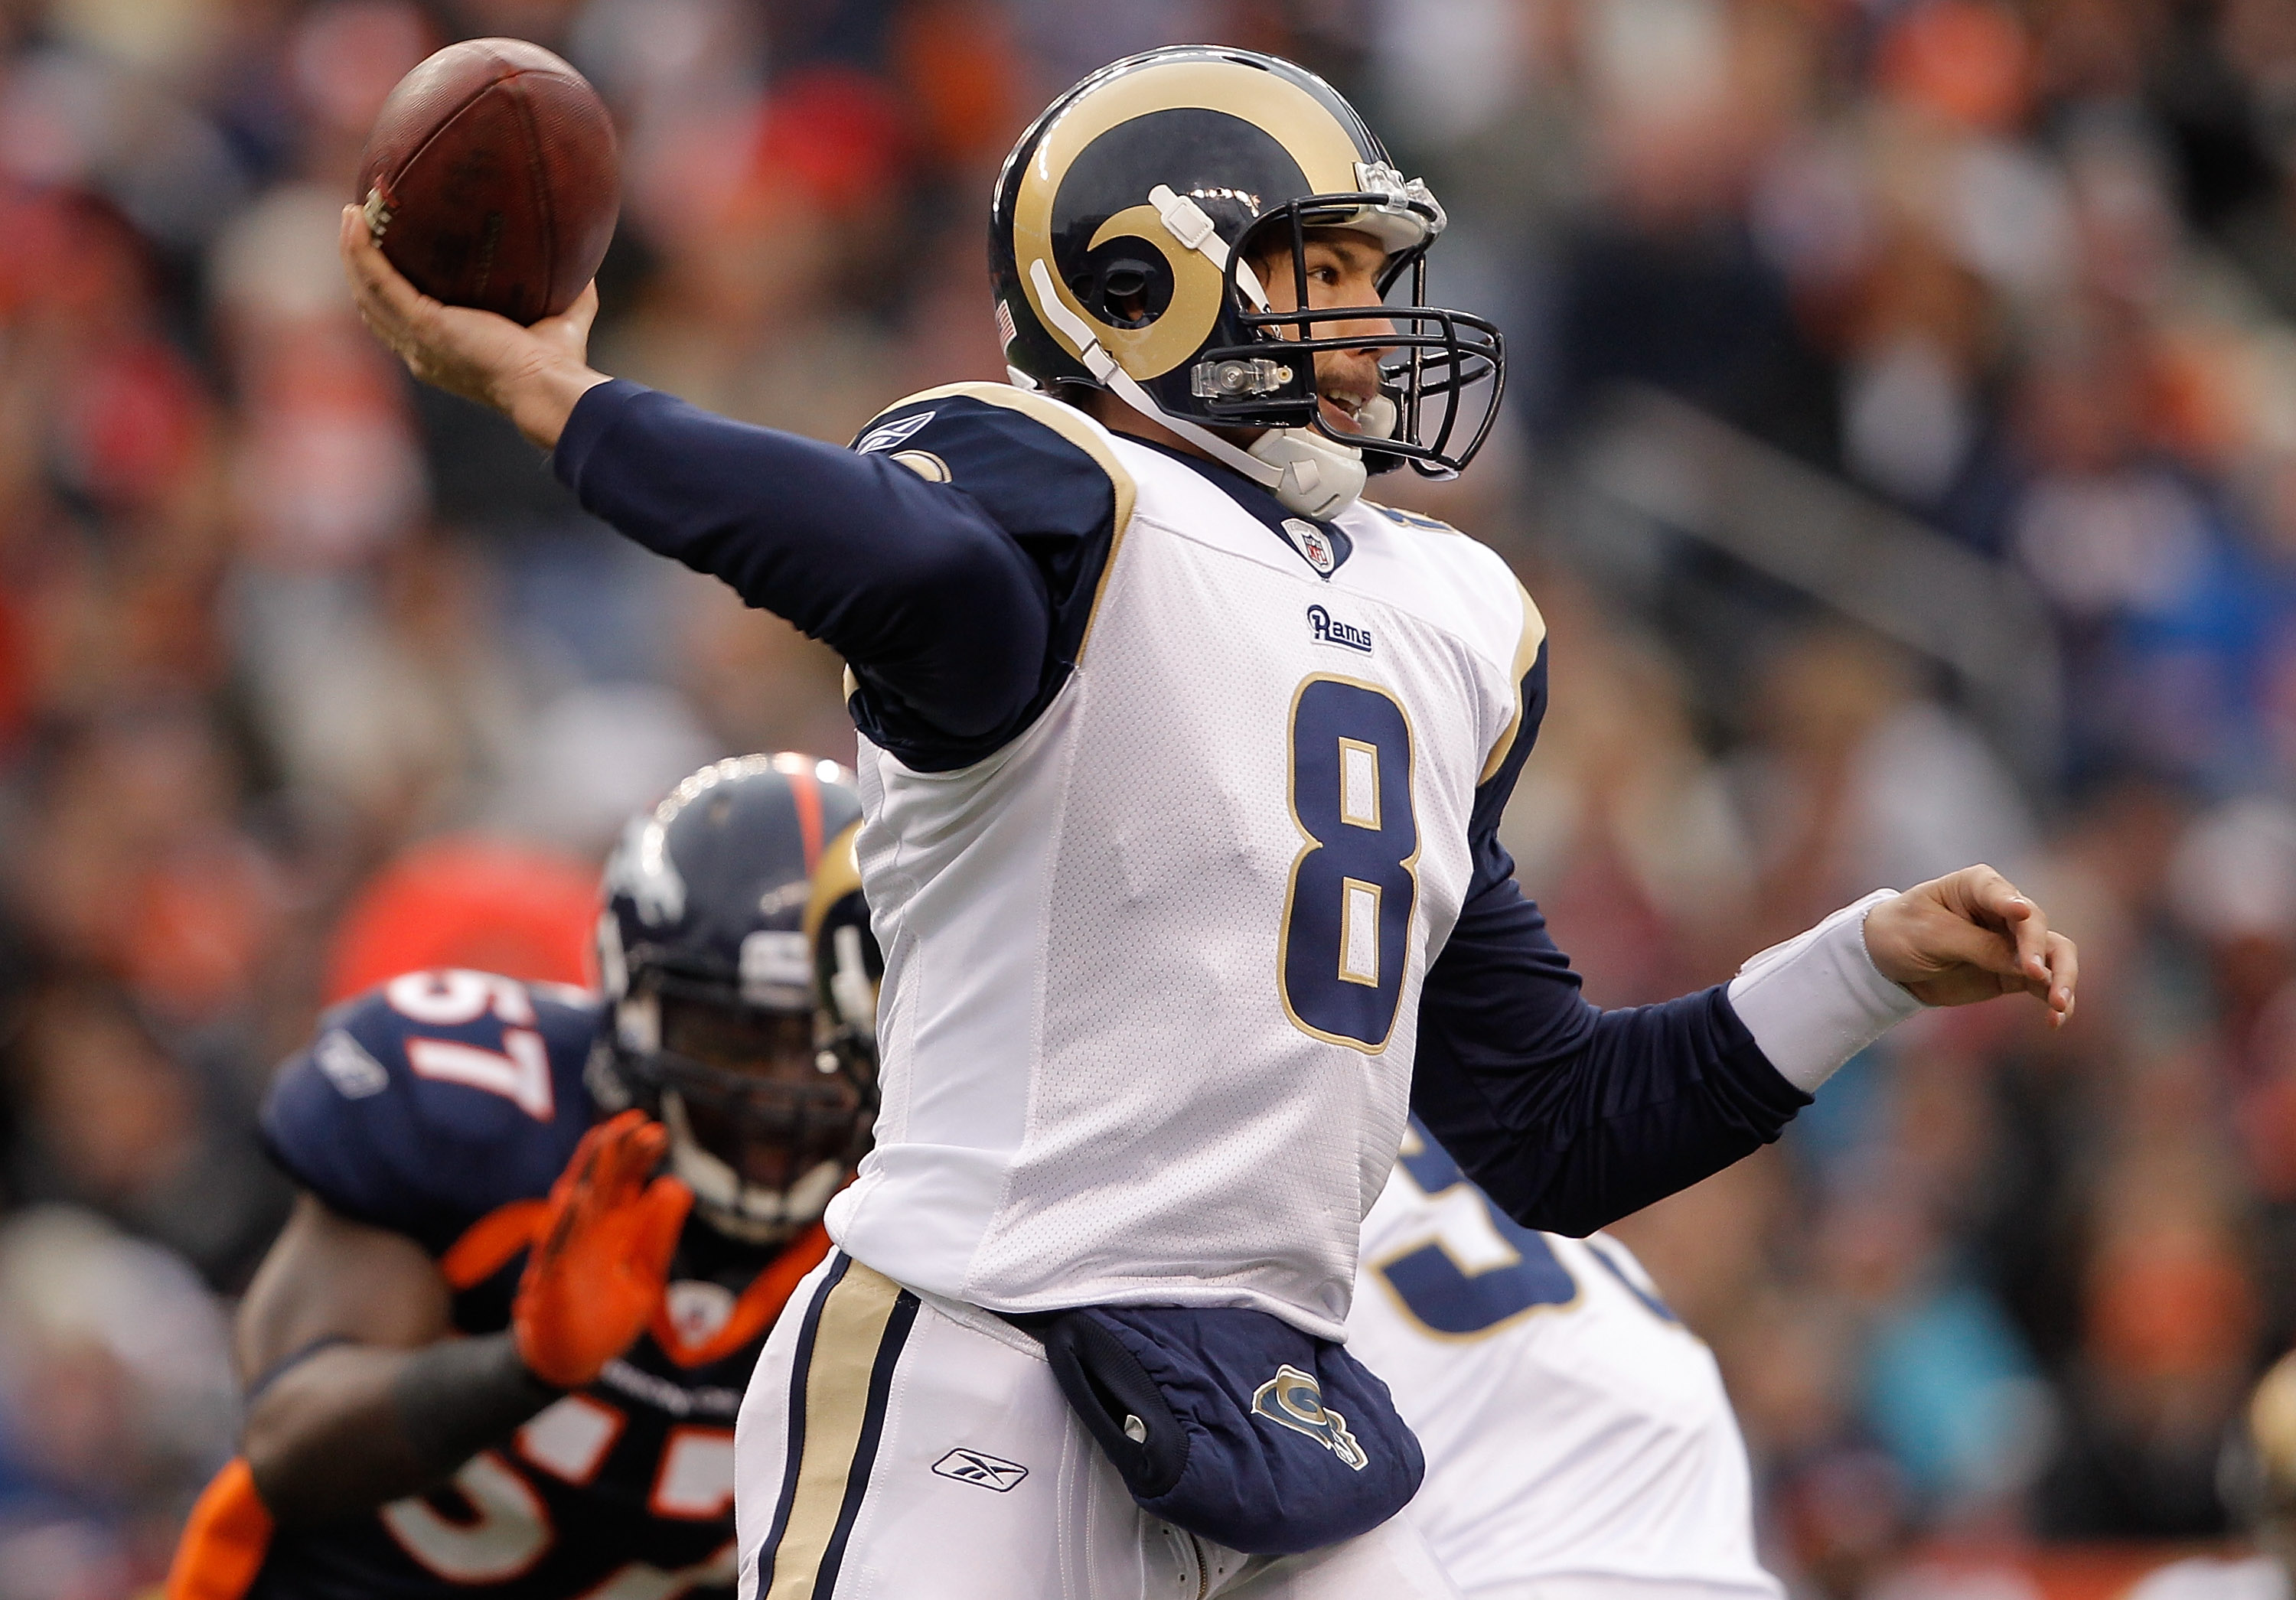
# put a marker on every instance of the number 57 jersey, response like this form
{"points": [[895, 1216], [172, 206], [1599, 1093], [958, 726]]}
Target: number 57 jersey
{"points": [[1153, 965], [442, 1107]]}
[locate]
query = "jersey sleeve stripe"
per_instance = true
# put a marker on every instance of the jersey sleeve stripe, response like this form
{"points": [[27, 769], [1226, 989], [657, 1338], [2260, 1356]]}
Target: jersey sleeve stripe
{"points": [[1526, 654], [1079, 430], [753, 1313], [488, 1244], [859, 1323], [225, 1541]]}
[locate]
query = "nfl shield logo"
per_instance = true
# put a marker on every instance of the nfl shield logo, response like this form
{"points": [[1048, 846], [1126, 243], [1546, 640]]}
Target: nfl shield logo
{"points": [[1311, 542]]}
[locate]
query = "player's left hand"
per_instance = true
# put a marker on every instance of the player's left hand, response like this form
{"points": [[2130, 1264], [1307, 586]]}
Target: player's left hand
{"points": [[1970, 936], [599, 1264]]}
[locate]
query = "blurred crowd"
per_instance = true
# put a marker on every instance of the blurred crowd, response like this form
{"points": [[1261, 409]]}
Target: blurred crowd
{"points": [[2025, 273]]}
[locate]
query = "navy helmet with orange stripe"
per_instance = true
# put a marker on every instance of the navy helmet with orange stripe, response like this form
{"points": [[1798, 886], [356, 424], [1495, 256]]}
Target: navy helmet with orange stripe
{"points": [[734, 951]]}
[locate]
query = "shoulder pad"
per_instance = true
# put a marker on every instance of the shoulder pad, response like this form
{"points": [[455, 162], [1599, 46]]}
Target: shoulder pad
{"points": [[425, 1103], [1036, 466]]}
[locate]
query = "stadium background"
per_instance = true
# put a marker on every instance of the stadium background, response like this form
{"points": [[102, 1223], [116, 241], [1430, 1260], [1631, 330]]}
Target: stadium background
{"points": [[1902, 445]]}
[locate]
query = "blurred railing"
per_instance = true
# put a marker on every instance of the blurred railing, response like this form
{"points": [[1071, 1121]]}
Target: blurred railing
{"points": [[1652, 469]]}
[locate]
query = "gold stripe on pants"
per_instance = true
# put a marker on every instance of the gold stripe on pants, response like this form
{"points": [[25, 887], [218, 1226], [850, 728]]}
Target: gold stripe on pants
{"points": [[854, 1315]]}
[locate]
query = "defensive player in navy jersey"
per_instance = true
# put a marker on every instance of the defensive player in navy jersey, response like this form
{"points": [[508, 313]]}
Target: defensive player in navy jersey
{"points": [[1182, 767], [496, 1352]]}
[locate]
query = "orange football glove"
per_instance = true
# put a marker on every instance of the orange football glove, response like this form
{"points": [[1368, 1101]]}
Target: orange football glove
{"points": [[601, 1255]]}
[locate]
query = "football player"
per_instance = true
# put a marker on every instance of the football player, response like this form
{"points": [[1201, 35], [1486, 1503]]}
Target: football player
{"points": [[493, 1353], [1580, 1444], [2263, 1478], [1182, 767]]}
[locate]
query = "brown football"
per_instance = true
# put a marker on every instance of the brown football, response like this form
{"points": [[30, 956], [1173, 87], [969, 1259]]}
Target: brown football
{"points": [[492, 178]]}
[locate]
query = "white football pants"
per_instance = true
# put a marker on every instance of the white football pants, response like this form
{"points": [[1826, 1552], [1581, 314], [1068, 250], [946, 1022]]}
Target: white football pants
{"points": [[897, 1447], [1606, 1586]]}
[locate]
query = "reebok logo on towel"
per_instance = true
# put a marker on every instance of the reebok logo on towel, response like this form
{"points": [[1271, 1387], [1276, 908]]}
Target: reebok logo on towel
{"points": [[971, 1467], [1291, 1399]]}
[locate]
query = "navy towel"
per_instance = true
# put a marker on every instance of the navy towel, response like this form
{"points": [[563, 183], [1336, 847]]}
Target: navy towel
{"points": [[1236, 1425]]}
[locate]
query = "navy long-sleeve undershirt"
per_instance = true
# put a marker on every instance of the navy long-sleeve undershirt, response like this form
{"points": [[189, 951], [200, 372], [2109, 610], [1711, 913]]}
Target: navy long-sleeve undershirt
{"points": [[912, 582], [959, 604], [1570, 1116]]}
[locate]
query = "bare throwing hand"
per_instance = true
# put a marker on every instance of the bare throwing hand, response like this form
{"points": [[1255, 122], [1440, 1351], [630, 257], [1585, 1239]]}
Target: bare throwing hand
{"points": [[532, 375], [1970, 936]]}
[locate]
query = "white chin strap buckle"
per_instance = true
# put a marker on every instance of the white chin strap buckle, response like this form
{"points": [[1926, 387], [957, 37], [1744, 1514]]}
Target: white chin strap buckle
{"points": [[1318, 476], [1311, 475], [1193, 227]]}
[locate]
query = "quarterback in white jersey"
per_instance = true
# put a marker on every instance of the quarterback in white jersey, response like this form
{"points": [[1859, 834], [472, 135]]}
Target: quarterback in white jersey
{"points": [[1182, 769], [1580, 1444], [1033, 1152]]}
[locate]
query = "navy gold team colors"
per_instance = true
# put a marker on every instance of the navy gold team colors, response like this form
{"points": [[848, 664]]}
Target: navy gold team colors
{"points": [[1184, 770], [849, 1346]]}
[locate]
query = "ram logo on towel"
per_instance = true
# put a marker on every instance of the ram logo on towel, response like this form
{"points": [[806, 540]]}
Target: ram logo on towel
{"points": [[1291, 1399]]}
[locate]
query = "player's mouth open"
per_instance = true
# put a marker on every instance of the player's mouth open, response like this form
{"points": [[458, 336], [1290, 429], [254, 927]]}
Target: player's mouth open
{"points": [[1344, 411]]}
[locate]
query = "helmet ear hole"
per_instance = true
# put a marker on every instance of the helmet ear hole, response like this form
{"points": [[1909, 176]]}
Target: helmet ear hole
{"points": [[1120, 287], [1206, 166]]}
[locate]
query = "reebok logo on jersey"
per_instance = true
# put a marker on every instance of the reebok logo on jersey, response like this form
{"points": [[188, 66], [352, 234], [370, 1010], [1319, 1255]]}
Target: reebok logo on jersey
{"points": [[1327, 629], [1292, 1399], [989, 1471], [886, 436], [1313, 544]]}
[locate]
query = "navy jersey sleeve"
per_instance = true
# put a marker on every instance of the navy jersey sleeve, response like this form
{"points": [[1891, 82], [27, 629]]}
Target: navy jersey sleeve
{"points": [[1569, 1116], [941, 555], [425, 1104]]}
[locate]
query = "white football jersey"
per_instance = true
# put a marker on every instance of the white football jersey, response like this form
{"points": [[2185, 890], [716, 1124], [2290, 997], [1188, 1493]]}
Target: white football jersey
{"points": [[1578, 1438], [1153, 967], [2213, 1578]]}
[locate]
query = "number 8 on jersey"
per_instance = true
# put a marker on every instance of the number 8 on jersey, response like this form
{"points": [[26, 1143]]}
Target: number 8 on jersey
{"points": [[1347, 913]]}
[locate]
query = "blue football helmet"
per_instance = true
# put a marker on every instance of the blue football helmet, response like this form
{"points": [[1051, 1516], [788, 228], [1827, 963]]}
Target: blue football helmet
{"points": [[1120, 243], [735, 950]]}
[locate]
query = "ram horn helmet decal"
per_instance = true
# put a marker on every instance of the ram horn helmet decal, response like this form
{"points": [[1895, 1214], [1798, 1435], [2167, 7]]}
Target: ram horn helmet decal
{"points": [[1120, 239]]}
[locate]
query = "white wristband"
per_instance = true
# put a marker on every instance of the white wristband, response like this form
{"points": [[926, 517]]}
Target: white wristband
{"points": [[1817, 999]]}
